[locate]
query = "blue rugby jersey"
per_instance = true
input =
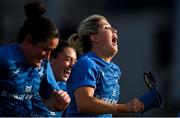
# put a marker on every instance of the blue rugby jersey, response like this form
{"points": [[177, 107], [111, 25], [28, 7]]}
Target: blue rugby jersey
{"points": [[40, 109], [38, 106], [91, 70], [19, 82]]}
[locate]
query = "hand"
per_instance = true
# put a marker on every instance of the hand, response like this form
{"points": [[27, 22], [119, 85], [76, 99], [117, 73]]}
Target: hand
{"points": [[135, 106], [63, 99]]}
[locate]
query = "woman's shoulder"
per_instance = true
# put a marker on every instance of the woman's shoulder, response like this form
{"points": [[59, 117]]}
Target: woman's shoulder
{"points": [[7, 51], [87, 60], [11, 53]]}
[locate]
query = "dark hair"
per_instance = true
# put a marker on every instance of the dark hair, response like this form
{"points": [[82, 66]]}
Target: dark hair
{"points": [[39, 28], [62, 45]]}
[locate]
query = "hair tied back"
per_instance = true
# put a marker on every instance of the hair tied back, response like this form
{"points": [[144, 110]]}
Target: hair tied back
{"points": [[35, 9]]}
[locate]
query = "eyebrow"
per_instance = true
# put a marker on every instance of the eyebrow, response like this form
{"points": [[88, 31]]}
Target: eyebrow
{"points": [[75, 59], [105, 23], [47, 49]]}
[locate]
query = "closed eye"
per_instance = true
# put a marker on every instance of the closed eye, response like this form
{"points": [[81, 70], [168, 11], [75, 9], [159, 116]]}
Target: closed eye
{"points": [[110, 28]]}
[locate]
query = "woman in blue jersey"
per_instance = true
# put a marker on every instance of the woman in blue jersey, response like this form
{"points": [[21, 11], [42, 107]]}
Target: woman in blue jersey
{"points": [[23, 66], [93, 83], [62, 60]]}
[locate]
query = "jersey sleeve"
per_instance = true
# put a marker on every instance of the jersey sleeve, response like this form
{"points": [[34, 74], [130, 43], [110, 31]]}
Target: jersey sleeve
{"points": [[83, 74], [48, 83]]}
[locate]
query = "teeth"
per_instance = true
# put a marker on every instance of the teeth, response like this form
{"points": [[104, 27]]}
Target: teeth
{"points": [[67, 70]]}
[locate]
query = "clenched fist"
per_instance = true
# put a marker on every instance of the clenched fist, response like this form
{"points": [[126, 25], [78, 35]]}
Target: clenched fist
{"points": [[58, 101], [135, 106], [63, 99]]}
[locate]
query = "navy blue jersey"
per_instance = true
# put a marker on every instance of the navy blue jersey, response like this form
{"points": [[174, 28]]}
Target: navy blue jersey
{"points": [[91, 70], [19, 82]]}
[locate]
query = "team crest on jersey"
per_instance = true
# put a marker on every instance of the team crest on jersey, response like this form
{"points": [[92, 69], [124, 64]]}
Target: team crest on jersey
{"points": [[16, 71], [28, 89]]}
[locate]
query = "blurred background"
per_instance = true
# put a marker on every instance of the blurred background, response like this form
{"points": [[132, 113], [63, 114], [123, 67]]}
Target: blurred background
{"points": [[149, 38]]}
